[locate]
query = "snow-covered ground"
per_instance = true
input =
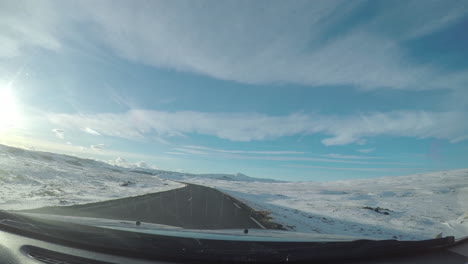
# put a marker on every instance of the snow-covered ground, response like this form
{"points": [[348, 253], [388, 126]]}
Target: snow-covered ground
{"points": [[30, 179], [408, 207]]}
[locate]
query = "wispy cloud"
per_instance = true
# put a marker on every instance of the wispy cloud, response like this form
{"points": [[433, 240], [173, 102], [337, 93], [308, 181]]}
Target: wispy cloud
{"points": [[59, 133], [281, 152], [337, 130], [190, 151], [175, 153], [340, 156], [75, 150], [246, 41], [28, 24], [358, 169], [98, 147], [246, 156], [307, 42], [366, 150], [311, 159], [91, 131]]}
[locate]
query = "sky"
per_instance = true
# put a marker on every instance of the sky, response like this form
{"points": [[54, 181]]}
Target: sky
{"points": [[289, 90]]}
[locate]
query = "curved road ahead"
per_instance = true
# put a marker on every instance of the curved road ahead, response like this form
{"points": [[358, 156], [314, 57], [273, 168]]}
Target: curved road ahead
{"points": [[193, 206]]}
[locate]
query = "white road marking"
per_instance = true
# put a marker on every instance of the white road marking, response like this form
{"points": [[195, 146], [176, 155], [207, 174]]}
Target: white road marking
{"points": [[237, 205], [260, 225]]}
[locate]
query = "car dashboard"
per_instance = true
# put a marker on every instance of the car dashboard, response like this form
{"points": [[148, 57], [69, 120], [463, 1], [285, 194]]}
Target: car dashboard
{"points": [[27, 240]]}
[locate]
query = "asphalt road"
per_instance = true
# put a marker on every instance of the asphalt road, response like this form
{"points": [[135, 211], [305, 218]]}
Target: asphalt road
{"points": [[193, 206]]}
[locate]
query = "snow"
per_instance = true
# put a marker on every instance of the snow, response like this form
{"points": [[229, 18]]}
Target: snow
{"points": [[30, 179], [179, 176], [407, 207]]}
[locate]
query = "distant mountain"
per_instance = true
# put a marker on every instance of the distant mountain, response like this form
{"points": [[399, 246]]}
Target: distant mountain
{"points": [[180, 176]]}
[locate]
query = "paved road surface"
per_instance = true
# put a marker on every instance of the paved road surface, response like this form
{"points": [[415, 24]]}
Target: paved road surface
{"points": [[193, 206]]}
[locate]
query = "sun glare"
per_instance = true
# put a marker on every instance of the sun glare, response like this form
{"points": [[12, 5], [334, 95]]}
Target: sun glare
{"points": [[8, 112]]}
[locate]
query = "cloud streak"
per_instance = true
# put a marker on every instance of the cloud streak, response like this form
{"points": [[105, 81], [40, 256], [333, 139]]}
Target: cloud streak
{"points": [[175, 153], [273, 157], [337, 130], [74, 150], [340, 156], [305, 42], [90, 131], [98, 147], [275, 41], [367, 150], [28, 24], [244, 151], [358, 169], [59, 133], [310, 159]]}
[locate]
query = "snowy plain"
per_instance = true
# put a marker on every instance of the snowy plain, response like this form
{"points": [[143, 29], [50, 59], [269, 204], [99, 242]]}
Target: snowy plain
{"points": [[407, 207], [410, 207]]}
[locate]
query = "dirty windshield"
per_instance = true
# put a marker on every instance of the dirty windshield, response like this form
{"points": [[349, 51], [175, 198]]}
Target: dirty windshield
{"points": [[338, 120]]}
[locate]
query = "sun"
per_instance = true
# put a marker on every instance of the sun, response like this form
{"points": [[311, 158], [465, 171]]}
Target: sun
{"points": [[9, 117]]}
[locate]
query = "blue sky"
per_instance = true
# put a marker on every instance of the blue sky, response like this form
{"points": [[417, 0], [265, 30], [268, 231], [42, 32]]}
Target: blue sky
{"points": [[291, 90]]}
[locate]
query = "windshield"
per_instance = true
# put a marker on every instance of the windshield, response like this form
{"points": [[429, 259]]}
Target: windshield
{"points": [[237, 120]]}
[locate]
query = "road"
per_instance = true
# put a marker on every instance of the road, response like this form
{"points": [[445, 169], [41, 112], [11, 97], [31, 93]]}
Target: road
{"points": [[193, 206]]}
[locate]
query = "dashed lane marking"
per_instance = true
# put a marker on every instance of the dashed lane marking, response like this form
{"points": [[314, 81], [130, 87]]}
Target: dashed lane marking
{"points": [[260, 225]]}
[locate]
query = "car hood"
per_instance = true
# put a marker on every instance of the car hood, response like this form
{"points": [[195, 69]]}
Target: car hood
{"points": [[218, 234]]}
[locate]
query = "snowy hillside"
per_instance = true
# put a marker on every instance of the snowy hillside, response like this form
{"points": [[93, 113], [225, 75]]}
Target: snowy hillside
{"points": [[407, 207], [142, 167], [30, 179]]}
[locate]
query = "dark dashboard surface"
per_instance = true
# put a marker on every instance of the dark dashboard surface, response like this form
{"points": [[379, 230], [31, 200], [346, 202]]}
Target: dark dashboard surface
{"points": [[30, 240]]}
